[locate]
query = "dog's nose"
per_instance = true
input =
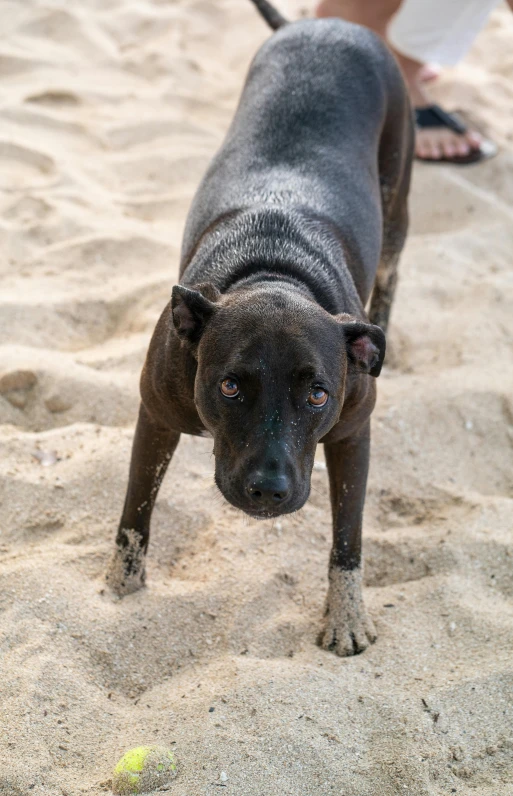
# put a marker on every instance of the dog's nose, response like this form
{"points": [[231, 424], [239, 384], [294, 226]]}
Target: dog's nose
{"points": [[268, 491]]}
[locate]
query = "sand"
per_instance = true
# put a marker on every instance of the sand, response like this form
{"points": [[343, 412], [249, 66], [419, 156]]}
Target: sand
{"points": [[110, 112]]}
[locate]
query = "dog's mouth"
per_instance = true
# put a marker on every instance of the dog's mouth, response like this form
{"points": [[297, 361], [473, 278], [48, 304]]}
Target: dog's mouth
{"points": [[267, 512], [264, 515]]}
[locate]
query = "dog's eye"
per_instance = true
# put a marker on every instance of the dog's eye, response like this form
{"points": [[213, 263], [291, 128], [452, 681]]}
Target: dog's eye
{"points": [[317, 397], [230, 388]]}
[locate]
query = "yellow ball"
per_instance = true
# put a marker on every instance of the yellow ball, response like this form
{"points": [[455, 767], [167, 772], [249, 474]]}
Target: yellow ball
{"points": [[143, 769]]}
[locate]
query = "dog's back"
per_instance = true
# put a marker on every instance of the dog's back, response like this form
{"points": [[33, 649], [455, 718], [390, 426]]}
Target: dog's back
{"points": [[307, 92], [307, 132]]}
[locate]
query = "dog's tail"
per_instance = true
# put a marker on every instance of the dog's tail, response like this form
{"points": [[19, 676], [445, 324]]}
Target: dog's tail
{"points": [[273, 17]]}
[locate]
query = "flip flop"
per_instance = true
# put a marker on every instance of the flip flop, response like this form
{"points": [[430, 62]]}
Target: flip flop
{"points": [[435, 116]]}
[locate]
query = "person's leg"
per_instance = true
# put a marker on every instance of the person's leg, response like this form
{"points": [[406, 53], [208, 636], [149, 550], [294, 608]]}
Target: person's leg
{"points": [[373, 14], [420, 32], [424, 31], [433, 143]]}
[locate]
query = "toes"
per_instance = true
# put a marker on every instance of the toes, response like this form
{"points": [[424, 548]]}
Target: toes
{"points": [[449, 149], [474, 139], [462, 147], [348, 646], [422, 146], [360, 642], [353, 644], [331, 639], [436, 144], [327, 639], [427, 147], [347, 643], [342, 645]]}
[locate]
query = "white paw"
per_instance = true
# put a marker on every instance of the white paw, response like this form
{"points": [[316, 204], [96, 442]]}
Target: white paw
{"points": [[126, 571], [347, 629]]}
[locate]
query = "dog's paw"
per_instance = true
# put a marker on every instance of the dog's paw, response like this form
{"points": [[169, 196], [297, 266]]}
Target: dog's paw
{"points": [[126, 571], [348, 630], [348, 637]]}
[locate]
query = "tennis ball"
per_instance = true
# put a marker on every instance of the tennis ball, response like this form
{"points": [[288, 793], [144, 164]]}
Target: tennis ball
{"points": [[143, 769]]}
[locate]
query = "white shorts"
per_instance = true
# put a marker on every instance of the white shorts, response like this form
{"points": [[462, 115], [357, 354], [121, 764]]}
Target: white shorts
{"points": [[438, 31]]}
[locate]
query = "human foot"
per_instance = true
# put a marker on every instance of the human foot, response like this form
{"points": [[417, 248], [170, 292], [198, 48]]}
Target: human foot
{"points": [[440, 136], [443, 136]]}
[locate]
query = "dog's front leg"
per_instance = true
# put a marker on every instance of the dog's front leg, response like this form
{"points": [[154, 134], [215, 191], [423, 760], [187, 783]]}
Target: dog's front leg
{"points": [[152, 450], [347, 628]]}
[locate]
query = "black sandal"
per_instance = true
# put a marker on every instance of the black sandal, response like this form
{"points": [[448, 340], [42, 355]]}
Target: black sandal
{"points": [[435, 116]]}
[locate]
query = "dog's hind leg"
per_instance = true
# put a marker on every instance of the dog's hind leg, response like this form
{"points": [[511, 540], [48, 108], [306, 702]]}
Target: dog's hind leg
{"points": [[386, 278], [395, 183], [152, 450], [395, 159]]}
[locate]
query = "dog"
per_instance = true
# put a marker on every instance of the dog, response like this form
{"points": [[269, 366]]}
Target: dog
{"points": [[265, 344]]}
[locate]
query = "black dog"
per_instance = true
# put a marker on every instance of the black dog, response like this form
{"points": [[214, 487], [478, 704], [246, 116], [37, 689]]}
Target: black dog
{"points": [[265, 344]]}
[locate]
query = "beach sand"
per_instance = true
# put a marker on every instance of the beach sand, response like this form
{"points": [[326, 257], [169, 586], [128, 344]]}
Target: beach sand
{"points": [[110, 112]]}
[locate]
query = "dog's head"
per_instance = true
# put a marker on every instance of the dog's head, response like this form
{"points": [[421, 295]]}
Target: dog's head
{"points": [[273, 368]]}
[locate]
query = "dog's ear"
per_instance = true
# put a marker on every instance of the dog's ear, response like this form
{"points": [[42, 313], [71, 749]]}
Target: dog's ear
{"points": [[365, 345], [192, 309]]}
